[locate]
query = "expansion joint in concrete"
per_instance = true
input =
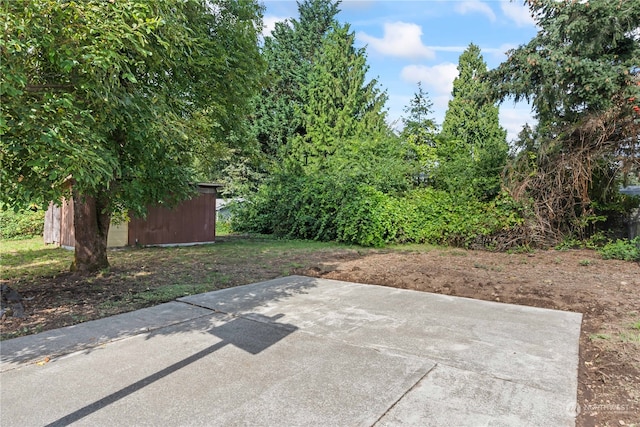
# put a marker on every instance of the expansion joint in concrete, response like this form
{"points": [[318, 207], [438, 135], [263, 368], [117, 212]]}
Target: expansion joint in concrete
{"points": [[409, 390]]}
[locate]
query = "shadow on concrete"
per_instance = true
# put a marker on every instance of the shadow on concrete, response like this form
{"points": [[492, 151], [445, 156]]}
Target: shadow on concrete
{"points": [[265, 331], [89, 335]]}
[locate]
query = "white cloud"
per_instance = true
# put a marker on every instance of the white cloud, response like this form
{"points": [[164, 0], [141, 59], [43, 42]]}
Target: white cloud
{"points": [[269, 23], [438, 80], [518, 13], [499, 53], [475, 6], [513, 118], [400, 39], [458, 49]]}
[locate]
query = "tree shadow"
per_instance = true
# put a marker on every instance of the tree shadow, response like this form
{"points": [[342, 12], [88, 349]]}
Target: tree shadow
{"points": [[153, 320], [252, 336]]}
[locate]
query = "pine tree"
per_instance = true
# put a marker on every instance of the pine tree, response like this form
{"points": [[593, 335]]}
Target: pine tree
{"points": [[581, 75], [419, 126], [290, 53], [472, 147], [339, 103], [420, 131]]}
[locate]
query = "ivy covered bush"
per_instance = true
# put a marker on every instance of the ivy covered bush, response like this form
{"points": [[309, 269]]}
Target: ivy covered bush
{"points": [[326, 207]]}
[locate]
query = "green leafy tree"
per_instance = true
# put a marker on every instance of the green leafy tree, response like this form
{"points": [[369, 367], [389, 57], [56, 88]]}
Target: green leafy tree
{"points": [[581, 75], [472, 148], [118, 98]]}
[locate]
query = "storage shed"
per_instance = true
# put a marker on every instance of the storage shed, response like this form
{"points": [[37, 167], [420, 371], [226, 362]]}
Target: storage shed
{"points": [[191, 222]]}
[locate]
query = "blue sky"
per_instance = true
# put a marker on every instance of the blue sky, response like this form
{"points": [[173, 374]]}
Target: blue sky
{"points": [[411, 41]]}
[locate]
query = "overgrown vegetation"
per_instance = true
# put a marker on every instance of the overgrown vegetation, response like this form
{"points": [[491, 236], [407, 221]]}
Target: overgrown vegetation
{"points": [[22, 224], [325, 208], [336, 171], [624, 249], [300, 132], [581, 75]]}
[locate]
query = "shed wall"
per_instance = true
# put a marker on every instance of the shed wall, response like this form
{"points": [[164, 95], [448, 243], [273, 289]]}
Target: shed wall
{"points": [[193, 221], [67, 231], [118, 235], [58, 224], [52, 225]]}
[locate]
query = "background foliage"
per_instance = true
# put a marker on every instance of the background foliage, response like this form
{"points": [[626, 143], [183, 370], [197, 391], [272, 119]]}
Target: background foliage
{"points": [[22, 224]]}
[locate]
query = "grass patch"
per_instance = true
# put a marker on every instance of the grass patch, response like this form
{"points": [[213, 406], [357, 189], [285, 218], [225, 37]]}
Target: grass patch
{"points": [[143, 277], [594, 337], [31, 258], [630, 337]]}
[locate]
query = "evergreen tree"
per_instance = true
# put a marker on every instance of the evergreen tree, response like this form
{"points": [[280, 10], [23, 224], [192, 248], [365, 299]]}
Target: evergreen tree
{"points": [[290, 53], [581, 75], [420, 131], [339, 104], [472, 147], [419, 125], [583, 61]]}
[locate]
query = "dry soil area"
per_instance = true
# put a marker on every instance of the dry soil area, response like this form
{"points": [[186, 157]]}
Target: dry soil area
{"points": [[606, 292]]}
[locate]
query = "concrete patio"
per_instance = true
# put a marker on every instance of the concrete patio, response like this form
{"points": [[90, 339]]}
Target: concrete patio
{"points": [[299, 351]]}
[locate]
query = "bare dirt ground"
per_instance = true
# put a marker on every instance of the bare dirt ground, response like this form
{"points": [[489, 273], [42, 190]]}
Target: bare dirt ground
{"points": [[606, 292]]}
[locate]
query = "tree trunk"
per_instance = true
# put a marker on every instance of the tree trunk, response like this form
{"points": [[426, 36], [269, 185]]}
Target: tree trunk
{"points": [[91, 225]]}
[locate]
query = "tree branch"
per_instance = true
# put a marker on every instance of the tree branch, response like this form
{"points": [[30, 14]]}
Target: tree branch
{"points": [[45, 87]]}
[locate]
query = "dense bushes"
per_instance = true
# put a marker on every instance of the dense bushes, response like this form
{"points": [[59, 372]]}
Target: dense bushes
{"points": [[21, 225], [324, 207]]}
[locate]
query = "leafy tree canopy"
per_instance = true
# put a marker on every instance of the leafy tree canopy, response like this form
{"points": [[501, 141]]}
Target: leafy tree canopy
{"points": [[119, 92], [121, 96]]}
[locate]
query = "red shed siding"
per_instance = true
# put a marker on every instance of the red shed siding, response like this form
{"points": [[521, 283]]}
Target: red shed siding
{"points": [[193, 221]]}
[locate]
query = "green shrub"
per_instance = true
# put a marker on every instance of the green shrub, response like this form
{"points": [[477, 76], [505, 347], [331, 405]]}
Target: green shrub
{"points": [[623, 249], [327, 207], [368, 218], [23, 224]]}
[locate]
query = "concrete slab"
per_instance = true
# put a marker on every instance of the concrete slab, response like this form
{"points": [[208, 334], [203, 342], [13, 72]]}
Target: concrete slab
{"points": [[29, 349], [537, 347], [302, 351], [455, 397], [218, 370]]}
